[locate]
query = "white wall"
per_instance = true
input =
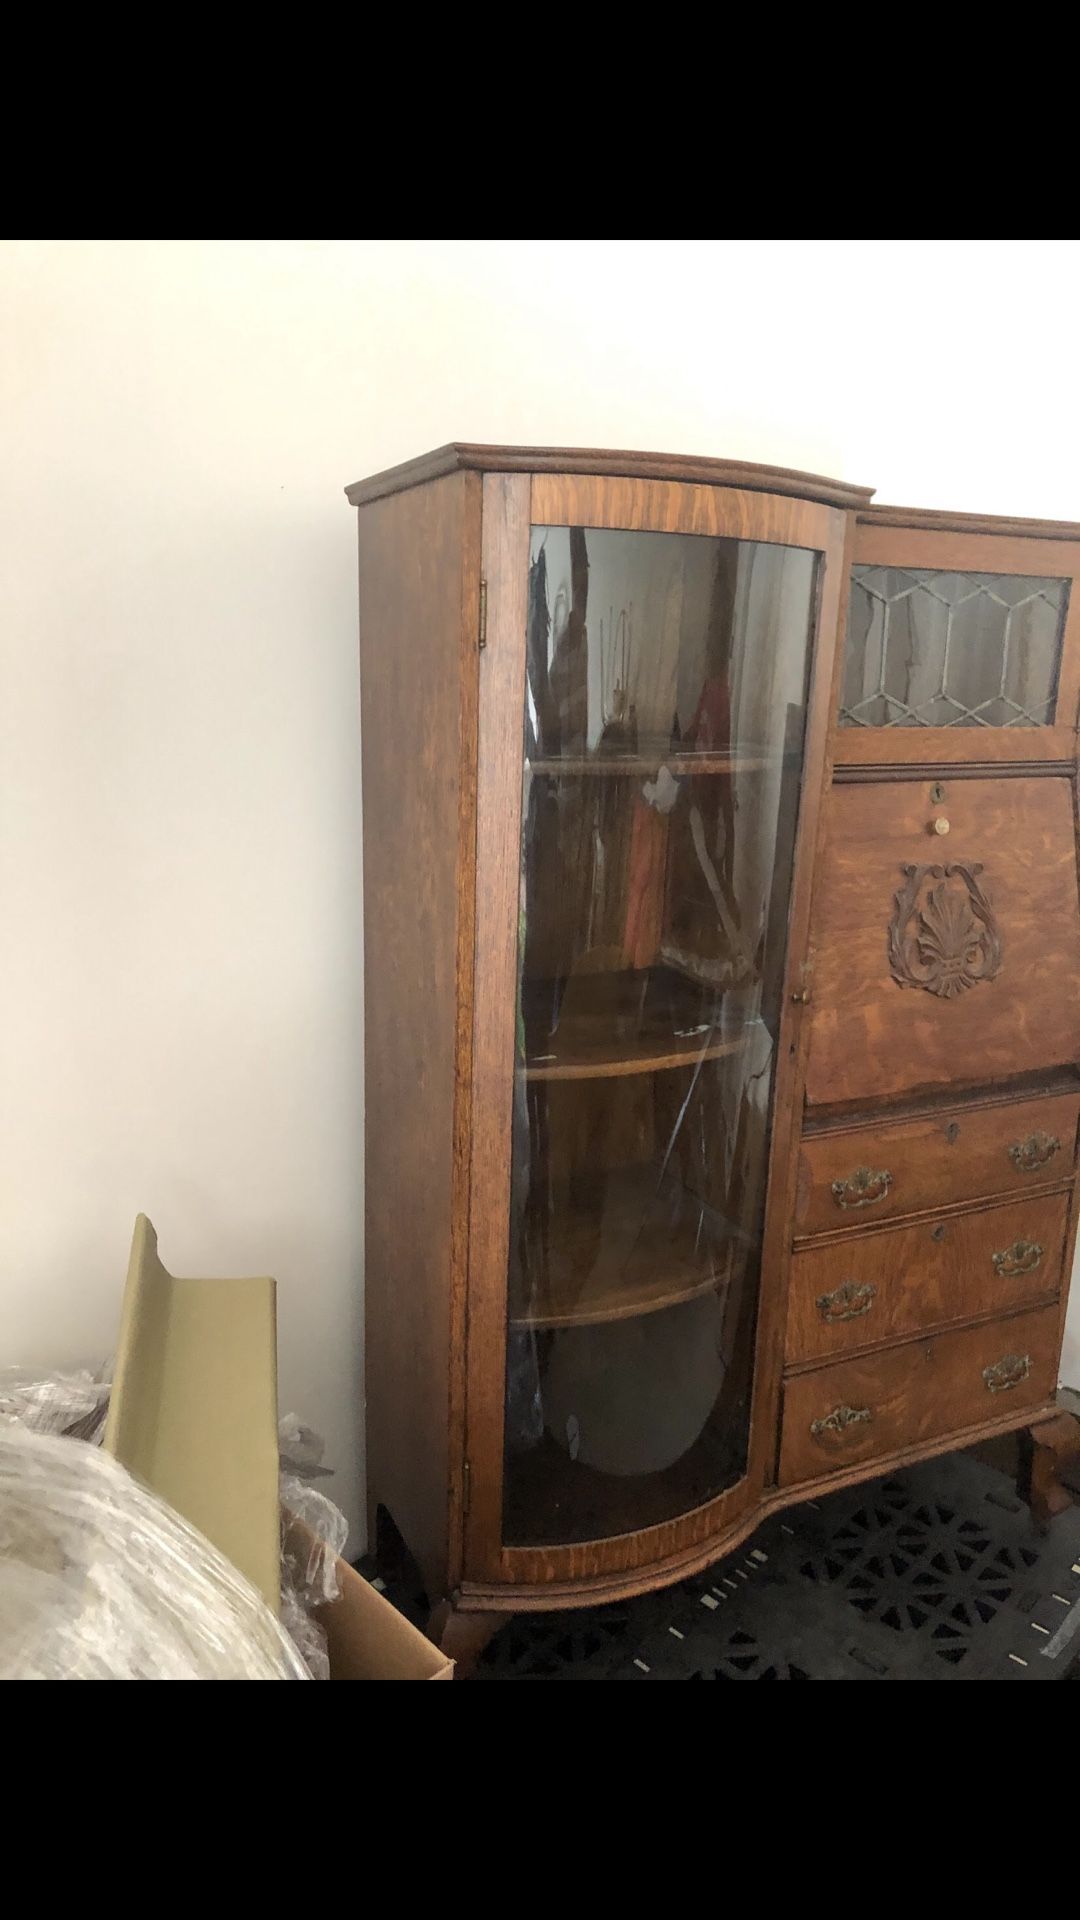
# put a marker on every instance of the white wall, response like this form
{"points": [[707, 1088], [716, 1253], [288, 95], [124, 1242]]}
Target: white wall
{"points": [[179, 777]]}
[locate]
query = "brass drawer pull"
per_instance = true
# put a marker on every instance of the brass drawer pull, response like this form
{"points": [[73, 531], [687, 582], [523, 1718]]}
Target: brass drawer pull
{"points": [[1034, 1152], [1007, 1373], [1022, 1257], [840, 1419], [861, 1188], [848, 1302]]}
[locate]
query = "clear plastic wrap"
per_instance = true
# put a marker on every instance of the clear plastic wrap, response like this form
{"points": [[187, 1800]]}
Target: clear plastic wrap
{"points": [[71, 1403], [301, 1449], [100, 1580], [310, 1550], [76, 1404]]}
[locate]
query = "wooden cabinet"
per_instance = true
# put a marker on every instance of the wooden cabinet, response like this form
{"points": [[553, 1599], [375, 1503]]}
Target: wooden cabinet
{"points": [[722, 962]]}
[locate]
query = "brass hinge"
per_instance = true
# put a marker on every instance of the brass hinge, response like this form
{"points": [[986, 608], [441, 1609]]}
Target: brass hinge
{"points": [[466, 1489], [482, 640], [803, 993]]}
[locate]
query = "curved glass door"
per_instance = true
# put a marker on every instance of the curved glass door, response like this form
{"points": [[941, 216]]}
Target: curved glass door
{"points": [[665, 711]]}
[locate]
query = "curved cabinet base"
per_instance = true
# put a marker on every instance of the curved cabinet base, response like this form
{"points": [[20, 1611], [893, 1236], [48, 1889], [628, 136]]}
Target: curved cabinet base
{"points": [[554, 1596]]}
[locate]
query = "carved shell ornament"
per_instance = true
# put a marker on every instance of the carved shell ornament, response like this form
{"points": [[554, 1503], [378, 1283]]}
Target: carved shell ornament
{"points": [[943, 935]]}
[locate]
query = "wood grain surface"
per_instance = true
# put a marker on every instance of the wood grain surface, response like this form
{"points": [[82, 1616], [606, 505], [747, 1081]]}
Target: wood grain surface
{"points": [[419, 572], [462, 455], [872, 1038], [868, 1288], [949, 1154], [914, 1392]]}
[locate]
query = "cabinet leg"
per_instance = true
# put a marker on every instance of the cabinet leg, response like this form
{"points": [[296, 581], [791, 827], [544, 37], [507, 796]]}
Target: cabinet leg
{"points": [[463, 1636], [1046, 1452], [385, 1543]]}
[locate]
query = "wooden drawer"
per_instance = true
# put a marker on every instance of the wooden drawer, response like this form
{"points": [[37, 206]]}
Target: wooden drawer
{"points": [[948, 958], [880, 1403], [870, 1287], [859, 1176]]}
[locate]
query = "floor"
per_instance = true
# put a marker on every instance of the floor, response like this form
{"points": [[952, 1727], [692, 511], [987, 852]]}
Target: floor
{"points": [[934, 1573]]}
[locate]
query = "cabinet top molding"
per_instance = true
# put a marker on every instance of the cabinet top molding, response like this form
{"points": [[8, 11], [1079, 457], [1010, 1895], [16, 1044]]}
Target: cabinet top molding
{"points": [[697, 469], [930, 520], [694, 468]]}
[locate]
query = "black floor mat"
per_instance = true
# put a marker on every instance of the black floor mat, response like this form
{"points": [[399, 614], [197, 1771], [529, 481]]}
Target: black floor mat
{"points": [[935, 1573]]}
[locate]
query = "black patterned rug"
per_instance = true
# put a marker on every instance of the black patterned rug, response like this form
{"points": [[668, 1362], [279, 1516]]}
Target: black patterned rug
{"points": [[934, 1573]]}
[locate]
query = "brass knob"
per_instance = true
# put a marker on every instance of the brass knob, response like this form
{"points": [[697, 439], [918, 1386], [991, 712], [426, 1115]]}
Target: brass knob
{"points": [[941, 825]]}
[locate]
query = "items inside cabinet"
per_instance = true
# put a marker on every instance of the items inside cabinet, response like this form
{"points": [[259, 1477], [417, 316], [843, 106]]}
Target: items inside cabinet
{"points": [[660, 796]]}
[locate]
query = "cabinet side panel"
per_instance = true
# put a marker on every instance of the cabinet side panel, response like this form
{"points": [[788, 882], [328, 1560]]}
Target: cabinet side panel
{"points": [[419, 573]]}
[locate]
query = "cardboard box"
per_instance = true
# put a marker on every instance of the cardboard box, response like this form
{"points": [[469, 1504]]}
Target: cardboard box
{"points": [[368, 1639], [193, 1414]]}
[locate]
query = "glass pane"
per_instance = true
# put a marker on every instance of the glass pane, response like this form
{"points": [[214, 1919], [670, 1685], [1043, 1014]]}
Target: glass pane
{"points": [[665, 711], [951, 649]]}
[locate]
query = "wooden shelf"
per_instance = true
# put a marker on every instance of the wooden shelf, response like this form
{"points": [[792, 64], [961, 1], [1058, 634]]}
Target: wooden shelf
{"points": [[642, 1250], [633, 766], [599, 1026], [584, 1056], [647, 1294]]}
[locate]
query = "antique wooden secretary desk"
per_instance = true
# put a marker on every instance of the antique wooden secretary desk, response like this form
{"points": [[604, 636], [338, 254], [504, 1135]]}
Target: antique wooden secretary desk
{"points": [[722, 1004]]}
